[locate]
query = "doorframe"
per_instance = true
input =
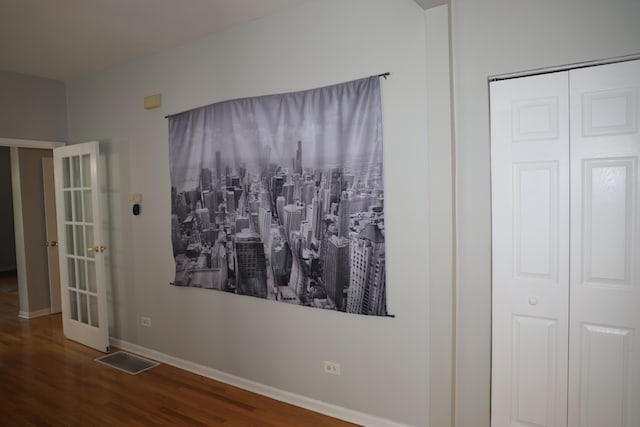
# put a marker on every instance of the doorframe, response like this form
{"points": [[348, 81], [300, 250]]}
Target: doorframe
{"points": [[528, 73], [18, 225]]}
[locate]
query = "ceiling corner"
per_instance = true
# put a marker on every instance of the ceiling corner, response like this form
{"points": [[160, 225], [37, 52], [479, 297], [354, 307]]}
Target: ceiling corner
{"points": [[428, 4]]}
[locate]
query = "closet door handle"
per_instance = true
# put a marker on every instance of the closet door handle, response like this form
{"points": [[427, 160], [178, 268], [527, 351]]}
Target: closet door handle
{"points": [[533, 301]]}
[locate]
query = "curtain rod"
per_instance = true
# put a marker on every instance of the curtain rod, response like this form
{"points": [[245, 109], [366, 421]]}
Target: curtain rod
{"points": [[383, 75]]}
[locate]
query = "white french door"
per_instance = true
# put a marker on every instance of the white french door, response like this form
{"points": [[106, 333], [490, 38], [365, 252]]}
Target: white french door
{"points": [[81, 244], [565, 149]]}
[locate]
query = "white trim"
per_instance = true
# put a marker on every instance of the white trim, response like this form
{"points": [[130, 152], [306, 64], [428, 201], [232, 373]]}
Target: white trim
{"points": [[18, 226], [34, 314], [440, 216], [262, 389], [564, 67], [30, 143]]}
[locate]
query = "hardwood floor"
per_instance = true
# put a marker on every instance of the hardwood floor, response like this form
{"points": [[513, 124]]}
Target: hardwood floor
{"points": [[46, 380]]}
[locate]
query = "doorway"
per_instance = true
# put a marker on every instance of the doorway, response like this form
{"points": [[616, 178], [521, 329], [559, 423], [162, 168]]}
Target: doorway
{"points": [[8, 247], [565, 153], [30, 251]]}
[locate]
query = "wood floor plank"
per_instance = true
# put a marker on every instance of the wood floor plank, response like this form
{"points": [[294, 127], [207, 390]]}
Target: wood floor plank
{"points": [[46, 380]]}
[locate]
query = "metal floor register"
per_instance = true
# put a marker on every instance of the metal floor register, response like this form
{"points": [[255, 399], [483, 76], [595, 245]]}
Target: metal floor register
{"points": [[127, 362]]}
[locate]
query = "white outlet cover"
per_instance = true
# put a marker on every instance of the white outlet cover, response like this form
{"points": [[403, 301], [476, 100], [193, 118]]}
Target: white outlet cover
{"points": [[331, 367]]}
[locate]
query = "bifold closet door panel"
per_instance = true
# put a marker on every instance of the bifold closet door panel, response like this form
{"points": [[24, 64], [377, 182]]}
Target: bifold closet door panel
{"points": [[604, 378], [530, 233]]}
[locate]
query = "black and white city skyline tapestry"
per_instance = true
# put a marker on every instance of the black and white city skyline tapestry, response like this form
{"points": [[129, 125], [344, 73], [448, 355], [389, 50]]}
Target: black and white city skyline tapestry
{"points": [[281, 197]]}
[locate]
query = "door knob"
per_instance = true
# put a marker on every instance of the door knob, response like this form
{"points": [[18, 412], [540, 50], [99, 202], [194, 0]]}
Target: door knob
{"points": [[533, 301], [52, 243], [96, 249]]}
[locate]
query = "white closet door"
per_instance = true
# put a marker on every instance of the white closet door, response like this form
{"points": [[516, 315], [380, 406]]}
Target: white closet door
{"points": [[604, 334], [530, 232]]}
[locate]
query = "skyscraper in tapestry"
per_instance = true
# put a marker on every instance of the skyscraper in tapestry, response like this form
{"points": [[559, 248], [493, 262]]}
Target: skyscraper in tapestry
{"points": [[281, 197]]}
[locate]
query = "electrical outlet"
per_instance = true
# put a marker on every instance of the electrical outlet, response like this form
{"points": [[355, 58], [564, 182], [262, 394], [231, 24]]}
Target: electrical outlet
{"points": [[332, 368], [145, 321]]}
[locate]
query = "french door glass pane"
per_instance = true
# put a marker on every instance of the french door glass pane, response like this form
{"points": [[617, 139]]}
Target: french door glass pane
{"points": [[91, 276], [67, 206], [75, 161], [70, 246], [82, 281], [71, 267], [77, 204], [93, 310], [66, 173], [90, 241], [88, 212], [73, 304], [80, 247], [84, 308], [86, 171]]}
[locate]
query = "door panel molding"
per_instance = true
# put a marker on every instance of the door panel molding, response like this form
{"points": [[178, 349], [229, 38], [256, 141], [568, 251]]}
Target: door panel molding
{"points": [[530, 229], [81, 222], [581, 334]]}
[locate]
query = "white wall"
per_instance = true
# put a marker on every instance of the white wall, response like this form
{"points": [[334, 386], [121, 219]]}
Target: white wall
{"points": [[384, 360], [495, 37], [32, 107]]}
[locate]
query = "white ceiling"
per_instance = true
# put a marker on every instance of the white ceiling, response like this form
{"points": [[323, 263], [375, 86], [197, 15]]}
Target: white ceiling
{"points": [[66, 39]]}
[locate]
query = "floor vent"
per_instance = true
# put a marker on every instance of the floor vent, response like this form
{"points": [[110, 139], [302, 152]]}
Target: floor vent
{"points": [[127, 362]]}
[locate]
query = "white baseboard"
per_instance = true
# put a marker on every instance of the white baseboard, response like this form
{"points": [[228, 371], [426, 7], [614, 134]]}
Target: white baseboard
{"points": [[34, 314], [255, 387]]}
